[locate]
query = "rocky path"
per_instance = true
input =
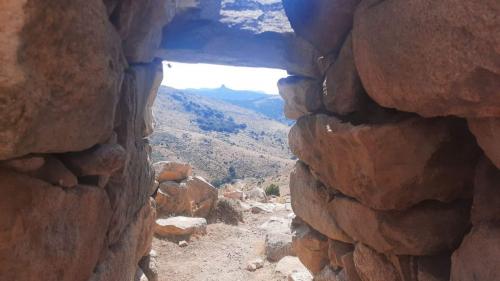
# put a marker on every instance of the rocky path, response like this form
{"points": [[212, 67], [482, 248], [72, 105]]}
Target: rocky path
{"points": [[221, 255]]}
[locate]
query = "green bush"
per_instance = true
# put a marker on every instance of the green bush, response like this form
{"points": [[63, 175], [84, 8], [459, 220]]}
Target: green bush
{"points": [[273, 189]]}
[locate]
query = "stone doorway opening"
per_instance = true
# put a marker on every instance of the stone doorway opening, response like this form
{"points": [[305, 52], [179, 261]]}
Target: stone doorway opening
{"points": [[220, 150]]}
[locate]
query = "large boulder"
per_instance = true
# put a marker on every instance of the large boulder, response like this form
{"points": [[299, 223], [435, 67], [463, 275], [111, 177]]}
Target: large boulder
{"points": [[49, 231], [60, 86], [478, 256], [487, 133], [435, 58], [311, 247], [193, 197], [387, 166], [310, 200], [302, 95], [324, 23], [172, 171], [427, 229], [343, 91]]}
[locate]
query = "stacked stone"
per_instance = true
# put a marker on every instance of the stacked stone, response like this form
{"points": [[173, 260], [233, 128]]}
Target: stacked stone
{"points": [[77, 83], [390, 177]]}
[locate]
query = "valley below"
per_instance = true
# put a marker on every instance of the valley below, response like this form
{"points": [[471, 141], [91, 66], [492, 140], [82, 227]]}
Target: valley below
{"points": [[226, 137]]}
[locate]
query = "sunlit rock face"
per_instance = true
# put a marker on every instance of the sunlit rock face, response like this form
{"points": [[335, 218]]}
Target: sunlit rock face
{"points": [[376, 161], [76, 87]]}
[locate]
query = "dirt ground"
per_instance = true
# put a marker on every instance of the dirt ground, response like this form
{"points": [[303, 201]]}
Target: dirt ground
{"points": [[221, 255]]}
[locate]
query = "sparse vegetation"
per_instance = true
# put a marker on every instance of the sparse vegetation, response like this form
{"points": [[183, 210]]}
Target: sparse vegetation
{"points": [[272, 189], [210, 119]]}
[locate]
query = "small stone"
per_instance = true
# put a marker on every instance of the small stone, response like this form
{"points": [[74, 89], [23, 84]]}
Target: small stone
{"points": [[183, 244], [255, 264]]}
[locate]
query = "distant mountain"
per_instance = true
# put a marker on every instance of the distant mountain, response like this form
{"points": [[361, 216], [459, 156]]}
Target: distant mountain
{"points": [[270, 106], [223, 141]]}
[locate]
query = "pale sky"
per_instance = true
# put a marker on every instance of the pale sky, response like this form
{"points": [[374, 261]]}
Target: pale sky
{"points": [[186, 75]]}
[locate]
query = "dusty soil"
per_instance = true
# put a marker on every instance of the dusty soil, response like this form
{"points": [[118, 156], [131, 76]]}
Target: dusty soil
{"points": [[221, 255]]}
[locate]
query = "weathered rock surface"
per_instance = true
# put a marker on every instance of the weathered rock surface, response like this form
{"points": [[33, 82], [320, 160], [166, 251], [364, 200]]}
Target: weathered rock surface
{"points": [[129, 187], [193, 197], [278, 245], [180, 226], [478, 256], [351, 274], [25, 164], [172, 171], [426, 229], [229, 211], [311, 247], [372, 266], [120, 262], [343, 91], [43, 94], [486, 203], [100, 160], [336, 249], [140, 26], [277, 225], [310, 200], [487, 133], [302, 95], [45, 229], [388, 166], [55, 172], [435, 58], [323, 23]]}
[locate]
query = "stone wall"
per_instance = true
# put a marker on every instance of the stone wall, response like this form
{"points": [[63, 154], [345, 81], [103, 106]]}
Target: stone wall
{"points": [[397, 107], [77, 82], [398, 139]]}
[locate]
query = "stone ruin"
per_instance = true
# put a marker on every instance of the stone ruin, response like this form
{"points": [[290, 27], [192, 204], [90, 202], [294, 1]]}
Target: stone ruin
{"points": [[397, 106]]}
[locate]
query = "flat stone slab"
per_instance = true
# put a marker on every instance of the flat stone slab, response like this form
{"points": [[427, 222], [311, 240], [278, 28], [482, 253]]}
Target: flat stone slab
{"points": [[180, 226]]}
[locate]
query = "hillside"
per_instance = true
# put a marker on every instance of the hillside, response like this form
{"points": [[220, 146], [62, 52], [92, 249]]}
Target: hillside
{"points": [[221, 140], [270, 106]]}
